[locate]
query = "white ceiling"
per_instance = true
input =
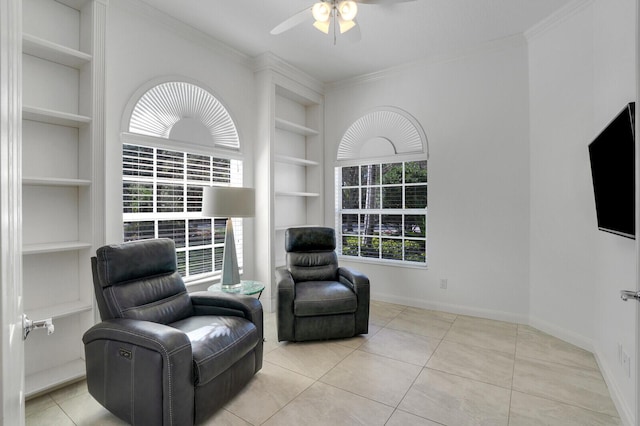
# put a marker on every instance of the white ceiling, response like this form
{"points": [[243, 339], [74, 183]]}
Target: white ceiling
{"points": [[391, 34]]}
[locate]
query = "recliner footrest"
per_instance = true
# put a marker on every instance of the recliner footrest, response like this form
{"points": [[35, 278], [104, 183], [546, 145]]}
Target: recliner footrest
{"points": [[217, 342]]}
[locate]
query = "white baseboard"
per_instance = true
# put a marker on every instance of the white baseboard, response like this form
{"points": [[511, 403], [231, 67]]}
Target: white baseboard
{"points": [[627, 416], [562, 333], [454, 309]]}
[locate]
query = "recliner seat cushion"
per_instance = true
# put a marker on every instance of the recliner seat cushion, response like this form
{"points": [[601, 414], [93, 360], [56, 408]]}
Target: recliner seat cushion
{"points": [[217, 343], [323, 298]]}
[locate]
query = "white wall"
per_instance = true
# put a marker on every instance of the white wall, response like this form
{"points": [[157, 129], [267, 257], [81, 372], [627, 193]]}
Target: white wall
{"points": [[144, 45], [582, 73], [562, 212], [474, 110], [511, 215]]}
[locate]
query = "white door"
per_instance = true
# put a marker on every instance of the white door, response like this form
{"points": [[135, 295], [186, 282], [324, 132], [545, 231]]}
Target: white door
{"points": [[637, 398], [11, 342]]}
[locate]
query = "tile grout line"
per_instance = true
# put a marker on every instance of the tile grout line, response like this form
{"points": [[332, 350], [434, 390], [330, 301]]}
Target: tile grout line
{"points": [[395, 409]]}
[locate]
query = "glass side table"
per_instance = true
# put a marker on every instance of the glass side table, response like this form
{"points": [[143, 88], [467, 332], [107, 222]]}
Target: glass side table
{"points": [[247, 287]]}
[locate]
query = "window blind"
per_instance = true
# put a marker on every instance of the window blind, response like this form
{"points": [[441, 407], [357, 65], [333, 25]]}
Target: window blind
{"points": [[162, 198]]}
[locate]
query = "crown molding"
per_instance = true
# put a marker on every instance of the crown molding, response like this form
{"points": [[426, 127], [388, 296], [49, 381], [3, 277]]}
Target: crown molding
{"points": [[557, 18], [80, 4], [184, 30], [268, 61], [496, 45]]}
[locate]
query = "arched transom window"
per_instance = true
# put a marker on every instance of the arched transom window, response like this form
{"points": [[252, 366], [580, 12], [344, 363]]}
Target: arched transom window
{"points": [[183, 111]]}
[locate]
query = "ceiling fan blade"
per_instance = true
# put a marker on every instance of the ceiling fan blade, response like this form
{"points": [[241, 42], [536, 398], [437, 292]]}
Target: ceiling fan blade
{"points": [[382, 1], [291, 22]]}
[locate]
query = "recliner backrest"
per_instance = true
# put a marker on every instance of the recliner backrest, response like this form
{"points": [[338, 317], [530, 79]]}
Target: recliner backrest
{"points": [[140, 280], [311, 254]]}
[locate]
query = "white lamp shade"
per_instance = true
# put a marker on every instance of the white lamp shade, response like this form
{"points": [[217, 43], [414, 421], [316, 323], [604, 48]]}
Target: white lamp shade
{"points": [[225, 201], [348, 10], [321, 11]]}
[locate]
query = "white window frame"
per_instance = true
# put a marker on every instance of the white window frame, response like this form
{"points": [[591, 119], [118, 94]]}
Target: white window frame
{"points": [[403, 212]]}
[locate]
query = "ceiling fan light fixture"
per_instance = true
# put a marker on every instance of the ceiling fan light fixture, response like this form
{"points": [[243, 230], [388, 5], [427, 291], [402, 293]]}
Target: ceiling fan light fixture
{"points": [[321, 11], [345, 25], [348, 9], [322, 26]]}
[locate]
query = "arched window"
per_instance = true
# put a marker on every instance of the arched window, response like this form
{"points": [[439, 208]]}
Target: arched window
{"points": [[381, 188], [179, 138]]}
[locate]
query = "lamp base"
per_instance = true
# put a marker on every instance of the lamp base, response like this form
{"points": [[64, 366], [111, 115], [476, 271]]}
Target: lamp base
{"points": [[231, 287], [230, 277]]}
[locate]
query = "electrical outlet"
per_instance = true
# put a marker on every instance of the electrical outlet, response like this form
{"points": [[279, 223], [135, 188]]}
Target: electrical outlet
{"points": [[620, 353], [443, 283], [626, 363]]}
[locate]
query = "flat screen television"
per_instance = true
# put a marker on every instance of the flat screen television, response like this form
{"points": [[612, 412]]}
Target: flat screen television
{"points": [[612, 157]]}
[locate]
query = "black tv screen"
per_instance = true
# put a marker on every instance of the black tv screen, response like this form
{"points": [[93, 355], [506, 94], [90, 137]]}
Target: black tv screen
{"points": [[612, 157]]}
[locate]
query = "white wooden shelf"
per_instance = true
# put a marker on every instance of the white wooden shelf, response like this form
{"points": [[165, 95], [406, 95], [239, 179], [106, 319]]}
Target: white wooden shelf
{"points": [[54, 247], [60, 310], [35, 46], [54, 117], [289, 126], [64, 138], [45, 181], [43, 380], [296, 161], [296, 194]]}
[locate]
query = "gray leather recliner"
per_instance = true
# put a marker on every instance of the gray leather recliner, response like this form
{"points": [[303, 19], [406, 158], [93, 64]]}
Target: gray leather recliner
{"points": [[162, 356], [317, 299]]}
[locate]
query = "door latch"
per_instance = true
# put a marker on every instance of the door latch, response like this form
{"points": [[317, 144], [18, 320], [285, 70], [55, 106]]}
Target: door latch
{"points": [[628, 294], [28, 326]]}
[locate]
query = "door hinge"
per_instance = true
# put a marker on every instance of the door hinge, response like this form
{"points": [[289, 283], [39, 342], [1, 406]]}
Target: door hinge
{"points": [[28, 326]]}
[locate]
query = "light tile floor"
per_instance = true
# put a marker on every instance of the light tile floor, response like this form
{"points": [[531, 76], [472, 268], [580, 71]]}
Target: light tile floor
{"points": [[415, 367]]}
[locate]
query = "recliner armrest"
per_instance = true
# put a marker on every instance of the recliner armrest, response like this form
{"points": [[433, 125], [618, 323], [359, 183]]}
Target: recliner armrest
{"points": [[360, 285], [284, 279], [354, 278], [150, 335], [209, 303], [286, 294], [285, 286], [156, 357]]}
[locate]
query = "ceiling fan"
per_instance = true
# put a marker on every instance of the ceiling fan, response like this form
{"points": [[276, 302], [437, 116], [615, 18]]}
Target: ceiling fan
{"points": [[341, 12]]}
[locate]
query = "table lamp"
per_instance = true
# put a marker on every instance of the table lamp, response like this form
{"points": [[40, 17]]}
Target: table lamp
{"points": [[228, 202]]}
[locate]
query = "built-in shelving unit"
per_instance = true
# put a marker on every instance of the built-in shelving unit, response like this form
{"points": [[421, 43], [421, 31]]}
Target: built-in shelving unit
{"points": [[47, 181], [291, 154], [295, 161], [289, 126], [49, 116], [44, 49], [62, 180], [54, 247]]}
